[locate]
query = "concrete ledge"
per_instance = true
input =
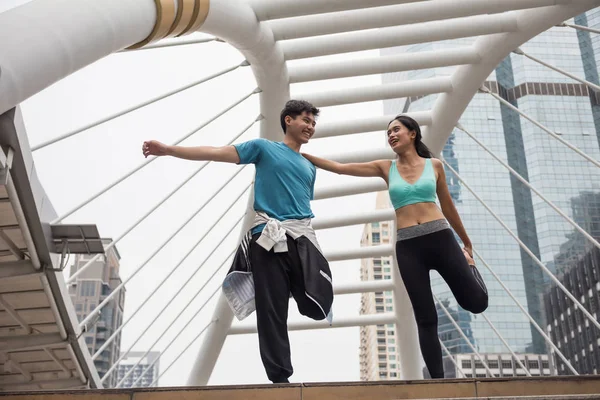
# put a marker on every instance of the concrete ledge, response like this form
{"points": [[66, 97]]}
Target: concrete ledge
{"points": [[536, 388]]}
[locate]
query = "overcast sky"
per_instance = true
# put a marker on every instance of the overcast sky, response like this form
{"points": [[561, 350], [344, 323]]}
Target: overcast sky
{"points": [[74, 169]]}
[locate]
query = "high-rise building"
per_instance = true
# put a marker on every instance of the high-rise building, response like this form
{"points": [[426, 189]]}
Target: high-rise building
{"points": [[569, 329], [150, 360], [555, 170], [378, 350], [501, 365], [90, 289]]}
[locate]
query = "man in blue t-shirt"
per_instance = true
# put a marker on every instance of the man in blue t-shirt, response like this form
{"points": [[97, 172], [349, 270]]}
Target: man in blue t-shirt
{"points": [[284, 256]]}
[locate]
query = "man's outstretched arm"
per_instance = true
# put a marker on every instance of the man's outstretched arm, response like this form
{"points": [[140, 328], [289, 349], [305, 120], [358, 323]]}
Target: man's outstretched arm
{"points": [[197, 153]]}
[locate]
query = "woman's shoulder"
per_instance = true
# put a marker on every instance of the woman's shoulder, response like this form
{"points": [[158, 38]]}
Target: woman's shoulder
{"points": [[386, 164], [436, 163]]}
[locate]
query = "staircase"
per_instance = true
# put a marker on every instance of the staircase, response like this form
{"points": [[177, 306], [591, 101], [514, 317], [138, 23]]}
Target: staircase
{"points": [[550, 388]]}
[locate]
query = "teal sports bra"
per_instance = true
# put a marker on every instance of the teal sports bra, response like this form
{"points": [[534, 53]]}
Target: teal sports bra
{"points": [[422, 191]]}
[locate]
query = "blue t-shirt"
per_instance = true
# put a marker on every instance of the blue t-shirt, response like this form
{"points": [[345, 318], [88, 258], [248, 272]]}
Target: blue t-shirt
{"points": [[284, 182]]}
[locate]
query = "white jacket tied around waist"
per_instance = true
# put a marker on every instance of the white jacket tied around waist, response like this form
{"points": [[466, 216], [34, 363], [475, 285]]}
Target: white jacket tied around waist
{"points": [[238, 286]]}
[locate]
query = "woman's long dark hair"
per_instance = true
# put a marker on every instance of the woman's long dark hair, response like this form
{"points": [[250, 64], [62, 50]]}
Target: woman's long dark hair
{"points": [[412, 125]]}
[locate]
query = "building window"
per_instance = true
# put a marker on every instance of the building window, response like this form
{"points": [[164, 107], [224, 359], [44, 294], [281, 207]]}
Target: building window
{"points": [[375, 224], [87, 288], [376, 238], [377, 261]]}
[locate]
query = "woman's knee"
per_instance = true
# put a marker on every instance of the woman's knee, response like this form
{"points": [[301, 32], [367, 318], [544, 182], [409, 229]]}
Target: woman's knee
{"points": [[477, 303]]}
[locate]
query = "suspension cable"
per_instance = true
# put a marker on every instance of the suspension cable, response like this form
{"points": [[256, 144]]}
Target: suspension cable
{"points": [[526, 313], [560, 71], [533, 189], [526, 249], [93, 313], [460, 331], [505, 343], [177, 317], [580, 27], [542, 127], [167, 43], [451, 358], [174, 297], [184, 350], [142, 165], [139, 221], [137, 107], [153, 292]]}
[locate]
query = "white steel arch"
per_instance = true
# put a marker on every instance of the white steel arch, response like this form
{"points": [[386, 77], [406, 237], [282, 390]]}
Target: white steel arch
{"points": [[88, 31]]}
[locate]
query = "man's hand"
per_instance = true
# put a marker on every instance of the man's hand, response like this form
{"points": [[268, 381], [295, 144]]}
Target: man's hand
{"points": [[468, 257], [154, 148]]}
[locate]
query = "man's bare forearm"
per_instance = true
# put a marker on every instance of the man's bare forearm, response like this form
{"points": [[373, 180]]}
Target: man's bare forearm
{"points": [[204, 153]]}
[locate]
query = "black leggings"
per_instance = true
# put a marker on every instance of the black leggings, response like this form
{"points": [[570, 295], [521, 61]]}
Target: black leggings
{"points": [[439, 251]]}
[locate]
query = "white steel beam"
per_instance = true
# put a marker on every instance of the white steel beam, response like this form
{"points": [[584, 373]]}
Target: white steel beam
{"points": [[468, 79], [222, 316], [367, 185], [268, 9], [31, 342], [14, 314], [370, 124], [399, 36], [79, 33], [394, 15], [58, 361], [354, 219], [360, 253], [363, 287], [416, 87], [360, 320], [383, 153], [407, 336], [383, 64]]}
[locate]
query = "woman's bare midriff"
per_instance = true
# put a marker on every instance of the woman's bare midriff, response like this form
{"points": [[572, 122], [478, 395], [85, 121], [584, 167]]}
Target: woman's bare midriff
{"points": [[416, 214]]}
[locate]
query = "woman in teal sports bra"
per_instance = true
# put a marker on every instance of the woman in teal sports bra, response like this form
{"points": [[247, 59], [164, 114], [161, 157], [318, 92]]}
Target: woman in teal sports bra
{"points": [[424, 240]]}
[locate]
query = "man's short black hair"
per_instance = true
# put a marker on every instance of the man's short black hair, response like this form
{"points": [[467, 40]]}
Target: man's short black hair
{"points": [[293, 108]]}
